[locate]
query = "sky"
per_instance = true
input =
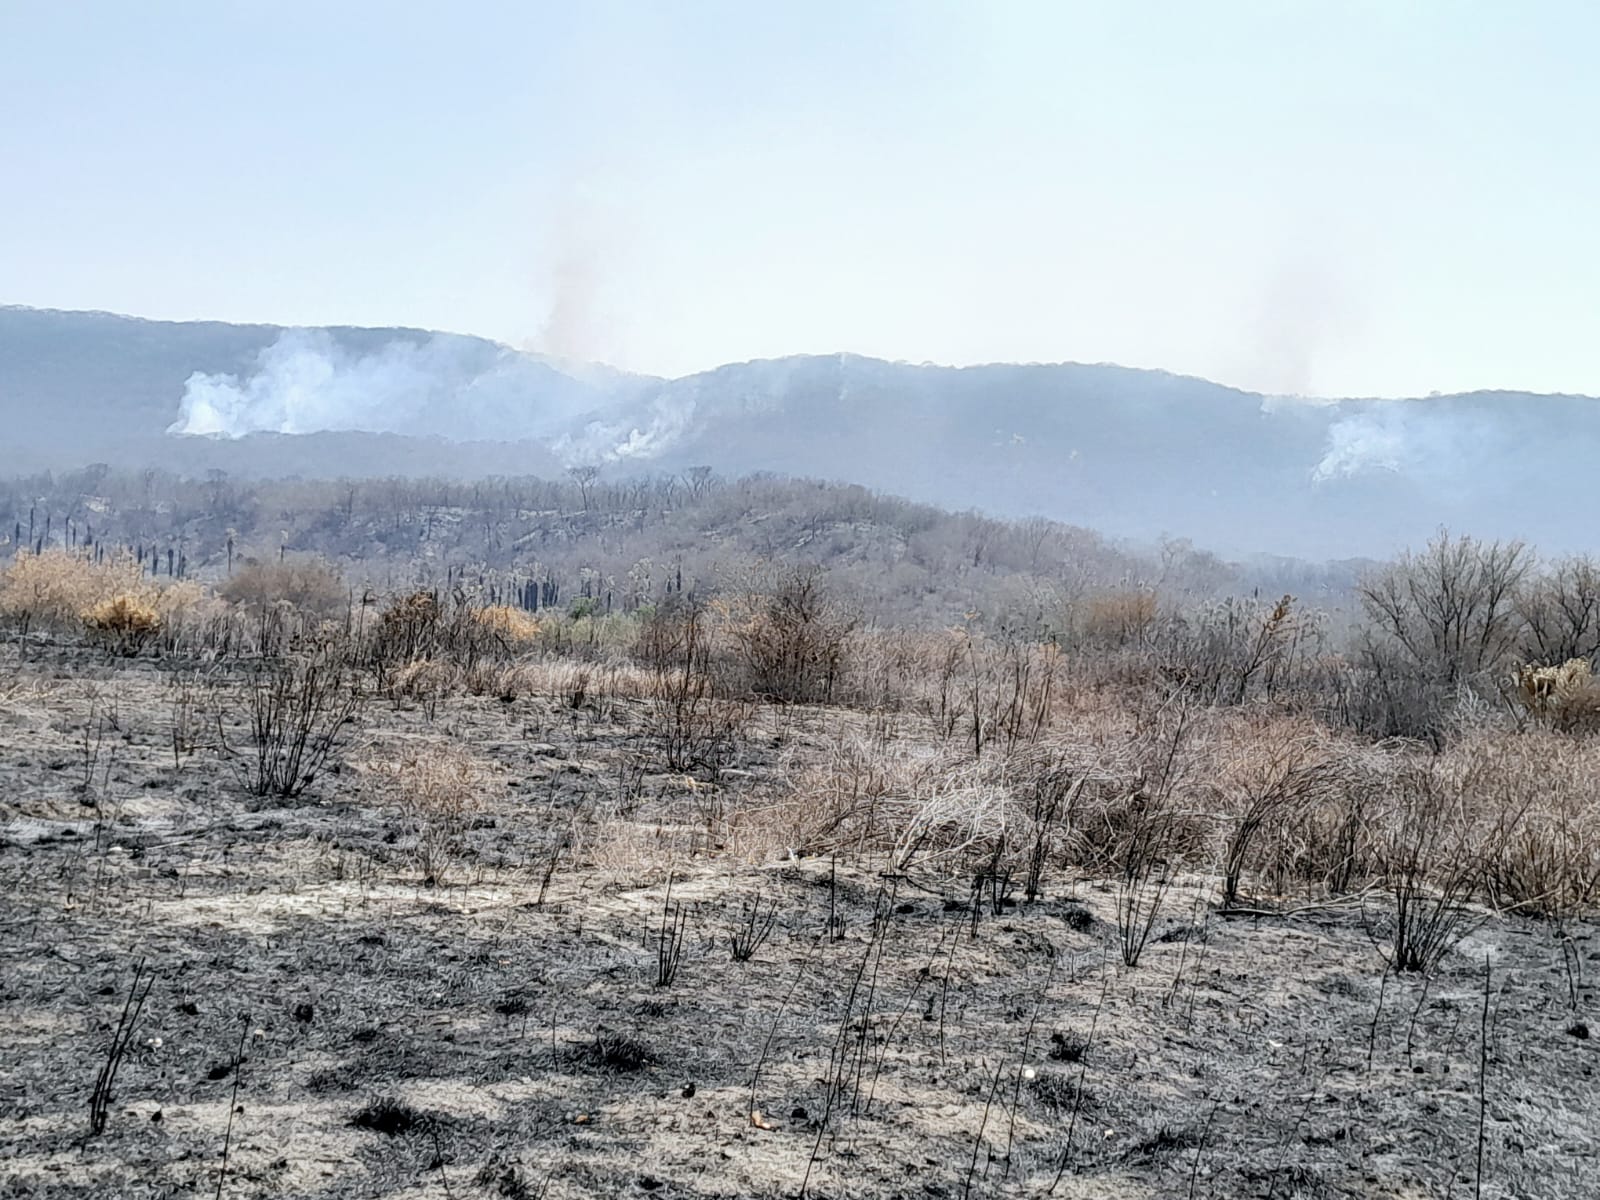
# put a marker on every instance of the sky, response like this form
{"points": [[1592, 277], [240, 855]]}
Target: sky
{"points": [[1385, 198]]}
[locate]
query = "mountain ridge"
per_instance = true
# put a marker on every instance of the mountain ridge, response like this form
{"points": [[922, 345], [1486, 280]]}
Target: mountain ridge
{"points": [[1132, 451]]}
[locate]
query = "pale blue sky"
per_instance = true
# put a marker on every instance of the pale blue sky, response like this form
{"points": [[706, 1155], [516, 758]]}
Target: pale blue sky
{"points": [[1359, 198]]}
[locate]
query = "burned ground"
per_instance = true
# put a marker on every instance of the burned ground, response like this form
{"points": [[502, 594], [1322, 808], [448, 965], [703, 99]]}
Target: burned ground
{"points": [[343, 1025]]}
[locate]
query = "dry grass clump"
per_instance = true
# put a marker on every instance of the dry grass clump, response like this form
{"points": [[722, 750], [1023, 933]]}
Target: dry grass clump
{"points": [[56, 588], [110, 600], [424, 681], [1537, 815], [588, 685], [934, 810], [440, 789], [1276, 775], [504, 681], [1266, 800]]}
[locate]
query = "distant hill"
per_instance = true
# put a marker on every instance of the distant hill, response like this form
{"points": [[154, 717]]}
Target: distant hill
{"points": [[1132, 453]]}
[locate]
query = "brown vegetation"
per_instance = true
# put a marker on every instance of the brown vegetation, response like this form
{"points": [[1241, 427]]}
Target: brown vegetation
{"points": [[1099, 796]]}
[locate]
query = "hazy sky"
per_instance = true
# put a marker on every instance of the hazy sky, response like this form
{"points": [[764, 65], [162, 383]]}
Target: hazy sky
{"points": [[1361, 198]]}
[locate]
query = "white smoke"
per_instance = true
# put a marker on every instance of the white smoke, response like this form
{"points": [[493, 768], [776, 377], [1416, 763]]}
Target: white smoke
{"points": [[1364, 442], [1416, 438], [458, 388], [648, 433]]}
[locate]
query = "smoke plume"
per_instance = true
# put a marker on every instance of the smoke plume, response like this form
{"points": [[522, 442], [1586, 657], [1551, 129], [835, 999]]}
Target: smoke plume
{"points": [[453, 387]]}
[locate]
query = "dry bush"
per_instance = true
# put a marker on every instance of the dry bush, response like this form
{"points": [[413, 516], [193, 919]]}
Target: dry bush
{"points": [[886, 670], [421, 625], [1158, 773], [1120, 618], [511, 626], [792, 634], [1549, 866], [1566, 697], [407, 630], [1232, 650], [836, 800], [1275, 775], [124, 622], [311, 585], [1329, 843], [440, 788]]}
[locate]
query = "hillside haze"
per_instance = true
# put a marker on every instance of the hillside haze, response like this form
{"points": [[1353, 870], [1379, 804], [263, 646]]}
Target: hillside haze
{"points": [[1132, 453]]}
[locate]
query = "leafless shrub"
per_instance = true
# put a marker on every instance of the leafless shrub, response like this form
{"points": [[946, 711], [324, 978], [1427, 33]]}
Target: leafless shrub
{"points": [[670, 940], [1053, 794], [1153, 835], [752, 929], [1226, 651], [121, 1038], [1549, 866], [690, 725], [1560, 611], [1437, 621], [993, 690], [1434, 862], [1144, 878], [297, 708]]}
